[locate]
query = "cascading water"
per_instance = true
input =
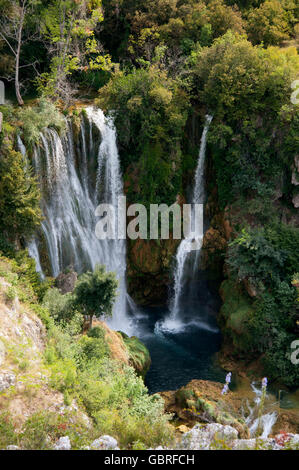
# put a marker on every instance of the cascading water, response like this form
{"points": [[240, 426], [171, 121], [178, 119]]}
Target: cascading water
{"points": [[267, 420], [69, 200], [32, 245], [186, 255], [109, 187]]}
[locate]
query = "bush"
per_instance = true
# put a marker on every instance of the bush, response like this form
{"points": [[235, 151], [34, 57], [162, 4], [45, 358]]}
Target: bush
{"points": [[35, 119], [7, 432], [43, 429], [59, 305]]}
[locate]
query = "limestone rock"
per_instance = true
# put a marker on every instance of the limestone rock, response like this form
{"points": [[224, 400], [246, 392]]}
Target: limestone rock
{"points": [[280, 442], [295, 201], [7, 380], [295, 173], [63, 443], [66, 281], [105, 443], [2, 352], [203, 437]]}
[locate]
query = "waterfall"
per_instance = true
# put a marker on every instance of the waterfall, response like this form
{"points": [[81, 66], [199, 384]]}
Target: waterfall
{"points": [[186, 258], [267, 420], [109, 187], [69, 200], [32, 244]]}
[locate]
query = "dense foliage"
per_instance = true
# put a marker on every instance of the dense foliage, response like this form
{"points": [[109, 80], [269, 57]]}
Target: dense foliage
{"points": [[150, 112], [20, 213], [80, 367], [267, 259], [95, 293]]}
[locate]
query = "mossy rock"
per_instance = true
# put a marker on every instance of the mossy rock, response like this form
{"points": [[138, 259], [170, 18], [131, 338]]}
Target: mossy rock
{"points": [[235, 313], [139, 355], [184, 396]]}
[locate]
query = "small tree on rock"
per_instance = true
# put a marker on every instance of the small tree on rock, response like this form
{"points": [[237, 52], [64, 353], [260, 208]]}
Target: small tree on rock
{"points": [[95, 293]]}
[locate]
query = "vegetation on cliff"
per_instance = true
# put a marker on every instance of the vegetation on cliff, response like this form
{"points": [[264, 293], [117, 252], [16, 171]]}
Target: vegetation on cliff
{"points": [[87, 386], [159, 66]]}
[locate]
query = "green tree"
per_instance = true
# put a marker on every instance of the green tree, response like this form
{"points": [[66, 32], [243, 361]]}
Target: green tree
{"points": [[150, 111], [20, 212], [272, 22], [95, 293], [69, 29]]}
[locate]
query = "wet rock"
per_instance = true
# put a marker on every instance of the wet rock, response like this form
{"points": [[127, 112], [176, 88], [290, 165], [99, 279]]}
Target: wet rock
{"points": [[63, 443], [148, 269], [66, 281], [214, 245]]}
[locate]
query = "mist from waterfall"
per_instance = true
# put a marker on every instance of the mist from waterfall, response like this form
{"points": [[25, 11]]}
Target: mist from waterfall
{"points": [[187, 259], [70, 195]]}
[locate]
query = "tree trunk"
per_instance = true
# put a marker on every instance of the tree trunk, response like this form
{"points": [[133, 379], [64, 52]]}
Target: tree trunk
{"points": [[18, 53], [17, 83], [90, 321]]}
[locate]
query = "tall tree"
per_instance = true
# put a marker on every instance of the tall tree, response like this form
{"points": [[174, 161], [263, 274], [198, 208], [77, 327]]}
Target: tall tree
{"points": [[14, 16], [20, 212], [69, 27]]}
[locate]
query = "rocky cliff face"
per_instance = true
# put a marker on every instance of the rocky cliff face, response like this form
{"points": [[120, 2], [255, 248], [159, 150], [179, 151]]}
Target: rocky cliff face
{"points": [[149, 265], [26, 385], [24, 379]]}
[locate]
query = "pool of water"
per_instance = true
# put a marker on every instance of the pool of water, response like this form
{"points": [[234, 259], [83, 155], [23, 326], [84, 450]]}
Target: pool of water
{"points": [[185, 353]]}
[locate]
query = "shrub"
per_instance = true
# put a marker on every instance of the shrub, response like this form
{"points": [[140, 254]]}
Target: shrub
{"points": [[95, 292], [7, 432], [59, 305], [35, 119], [43, 429]]}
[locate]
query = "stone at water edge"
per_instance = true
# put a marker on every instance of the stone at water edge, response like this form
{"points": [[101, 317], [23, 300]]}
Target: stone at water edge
{"points": [[105, 443], [63, 443], [12, 447]]}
